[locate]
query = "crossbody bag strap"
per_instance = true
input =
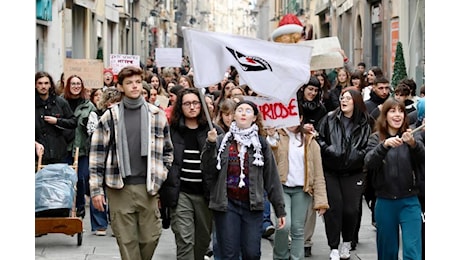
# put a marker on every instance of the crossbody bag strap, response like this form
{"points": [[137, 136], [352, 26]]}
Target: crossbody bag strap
{"points": [[111, 139]]}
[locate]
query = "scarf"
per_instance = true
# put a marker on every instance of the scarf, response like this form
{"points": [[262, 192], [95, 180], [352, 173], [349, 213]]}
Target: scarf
{"points": [[244, 137], [122, 150]]}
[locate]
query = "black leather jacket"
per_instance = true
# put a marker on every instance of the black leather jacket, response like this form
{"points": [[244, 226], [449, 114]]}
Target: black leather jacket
{"points": [[340, 154]]}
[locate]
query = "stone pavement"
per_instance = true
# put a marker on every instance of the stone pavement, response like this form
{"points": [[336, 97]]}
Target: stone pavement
{"points": [[61, 246]]}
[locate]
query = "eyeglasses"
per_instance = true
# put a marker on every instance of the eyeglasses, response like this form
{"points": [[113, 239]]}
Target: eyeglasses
{"points": [[189, 104], [75, 83], [346, 98]]}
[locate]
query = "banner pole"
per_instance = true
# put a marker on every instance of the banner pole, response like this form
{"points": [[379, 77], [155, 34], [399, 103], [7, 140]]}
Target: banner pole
{"points": [[205, 107]]}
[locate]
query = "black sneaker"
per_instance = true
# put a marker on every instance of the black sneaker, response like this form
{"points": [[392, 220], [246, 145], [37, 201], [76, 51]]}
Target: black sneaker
{"points": [[81, 213], [209, 253], [268, 231], [307, 251]]}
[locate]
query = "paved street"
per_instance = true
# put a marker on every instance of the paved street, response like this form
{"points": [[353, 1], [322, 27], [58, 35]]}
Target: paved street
{"points": [[61, 246]]}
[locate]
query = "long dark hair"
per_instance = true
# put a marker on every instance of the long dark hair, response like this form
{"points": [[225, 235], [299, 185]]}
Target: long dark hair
{"points": [[326, 87], [41, 74], [177, 113], [381, 125], [359, 108]]}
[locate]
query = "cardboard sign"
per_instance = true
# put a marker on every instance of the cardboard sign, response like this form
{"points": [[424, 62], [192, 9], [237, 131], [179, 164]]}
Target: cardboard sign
{"points": [[119, 61], [276, 113], [90, 71], [325, 53], [168, 57]]}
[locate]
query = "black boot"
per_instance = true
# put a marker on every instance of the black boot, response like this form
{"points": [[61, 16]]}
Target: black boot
{"points": [[307, 251], [353, 245], [81, 212]]}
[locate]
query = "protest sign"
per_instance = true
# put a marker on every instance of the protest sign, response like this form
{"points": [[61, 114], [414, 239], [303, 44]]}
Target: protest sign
{"points": [[118, 61], [168, 57], [326, 53], [91, 71], [275, 113]]}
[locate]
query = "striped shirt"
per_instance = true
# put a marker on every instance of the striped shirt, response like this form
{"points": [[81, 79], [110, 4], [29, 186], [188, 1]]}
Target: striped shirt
{"points": [[191, 178]]}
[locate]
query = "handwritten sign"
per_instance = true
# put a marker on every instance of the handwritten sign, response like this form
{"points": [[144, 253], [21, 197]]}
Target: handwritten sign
{"points": [[119, 61], [168, 57], [91, 71], [325, 53], [276, 113]]}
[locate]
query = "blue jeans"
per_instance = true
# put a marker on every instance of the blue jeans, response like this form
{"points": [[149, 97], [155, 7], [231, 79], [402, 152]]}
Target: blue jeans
{"points": [[267, 221], [393, 215], [83, 181], [215, 246], [99, 219], [238, 230]]}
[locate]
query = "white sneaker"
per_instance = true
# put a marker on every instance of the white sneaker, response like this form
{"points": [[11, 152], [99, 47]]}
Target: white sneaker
{"points": [[101, 232], [345, 250], [334, 255]]}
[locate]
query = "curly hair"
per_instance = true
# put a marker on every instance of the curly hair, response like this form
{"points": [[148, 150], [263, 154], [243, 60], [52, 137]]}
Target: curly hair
{"points": [[177, 112]]}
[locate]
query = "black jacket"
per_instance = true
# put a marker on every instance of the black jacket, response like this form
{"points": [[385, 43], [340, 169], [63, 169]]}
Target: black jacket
{"points": [[342, 155], [169, 192], [395, 172], [52, 137], [372, 107]]}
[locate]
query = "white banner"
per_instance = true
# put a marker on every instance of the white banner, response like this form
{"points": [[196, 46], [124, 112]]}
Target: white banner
{"points": [[269, 68], [276, 113]]}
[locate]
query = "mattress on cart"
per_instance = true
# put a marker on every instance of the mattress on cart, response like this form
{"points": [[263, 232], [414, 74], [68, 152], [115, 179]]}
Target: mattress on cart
{"points": [[54, 187]]}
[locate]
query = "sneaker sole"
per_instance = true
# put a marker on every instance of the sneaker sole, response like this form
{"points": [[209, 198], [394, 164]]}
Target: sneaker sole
{"points": [[268, 233]]}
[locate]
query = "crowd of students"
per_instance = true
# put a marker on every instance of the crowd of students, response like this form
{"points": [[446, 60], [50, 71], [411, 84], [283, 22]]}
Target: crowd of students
{"points": [[146, 134]]}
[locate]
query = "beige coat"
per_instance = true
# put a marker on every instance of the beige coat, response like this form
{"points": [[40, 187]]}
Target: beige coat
{"points": [[314, 184]]}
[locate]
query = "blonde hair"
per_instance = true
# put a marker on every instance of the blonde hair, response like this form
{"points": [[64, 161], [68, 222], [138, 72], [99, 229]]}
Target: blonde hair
{"points": [[109, 96]]}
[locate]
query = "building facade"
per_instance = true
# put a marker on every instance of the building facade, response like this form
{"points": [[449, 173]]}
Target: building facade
{"points": [[368, 30]]}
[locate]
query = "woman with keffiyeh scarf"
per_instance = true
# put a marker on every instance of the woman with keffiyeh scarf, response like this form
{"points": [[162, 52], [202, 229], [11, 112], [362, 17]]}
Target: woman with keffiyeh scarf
{"points": [[240, 165]]}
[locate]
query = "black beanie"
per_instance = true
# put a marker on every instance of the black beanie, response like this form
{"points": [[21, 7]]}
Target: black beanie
{"points": [[254, 106]]}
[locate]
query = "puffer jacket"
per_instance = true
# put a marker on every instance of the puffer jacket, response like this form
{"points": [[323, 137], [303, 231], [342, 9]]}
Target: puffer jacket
{"points": [[314, 183], [340, 154], [395, 169]]}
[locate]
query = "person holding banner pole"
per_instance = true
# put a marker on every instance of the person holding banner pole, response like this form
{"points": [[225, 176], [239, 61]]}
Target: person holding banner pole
{"points": [[239, 165]]}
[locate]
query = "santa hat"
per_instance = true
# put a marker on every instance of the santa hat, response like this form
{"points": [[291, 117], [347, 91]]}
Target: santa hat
{"points": [[288, 24]]}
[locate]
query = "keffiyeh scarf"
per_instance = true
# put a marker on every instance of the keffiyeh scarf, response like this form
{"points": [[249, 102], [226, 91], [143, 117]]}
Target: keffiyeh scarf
{"points": [[244, 137]]}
